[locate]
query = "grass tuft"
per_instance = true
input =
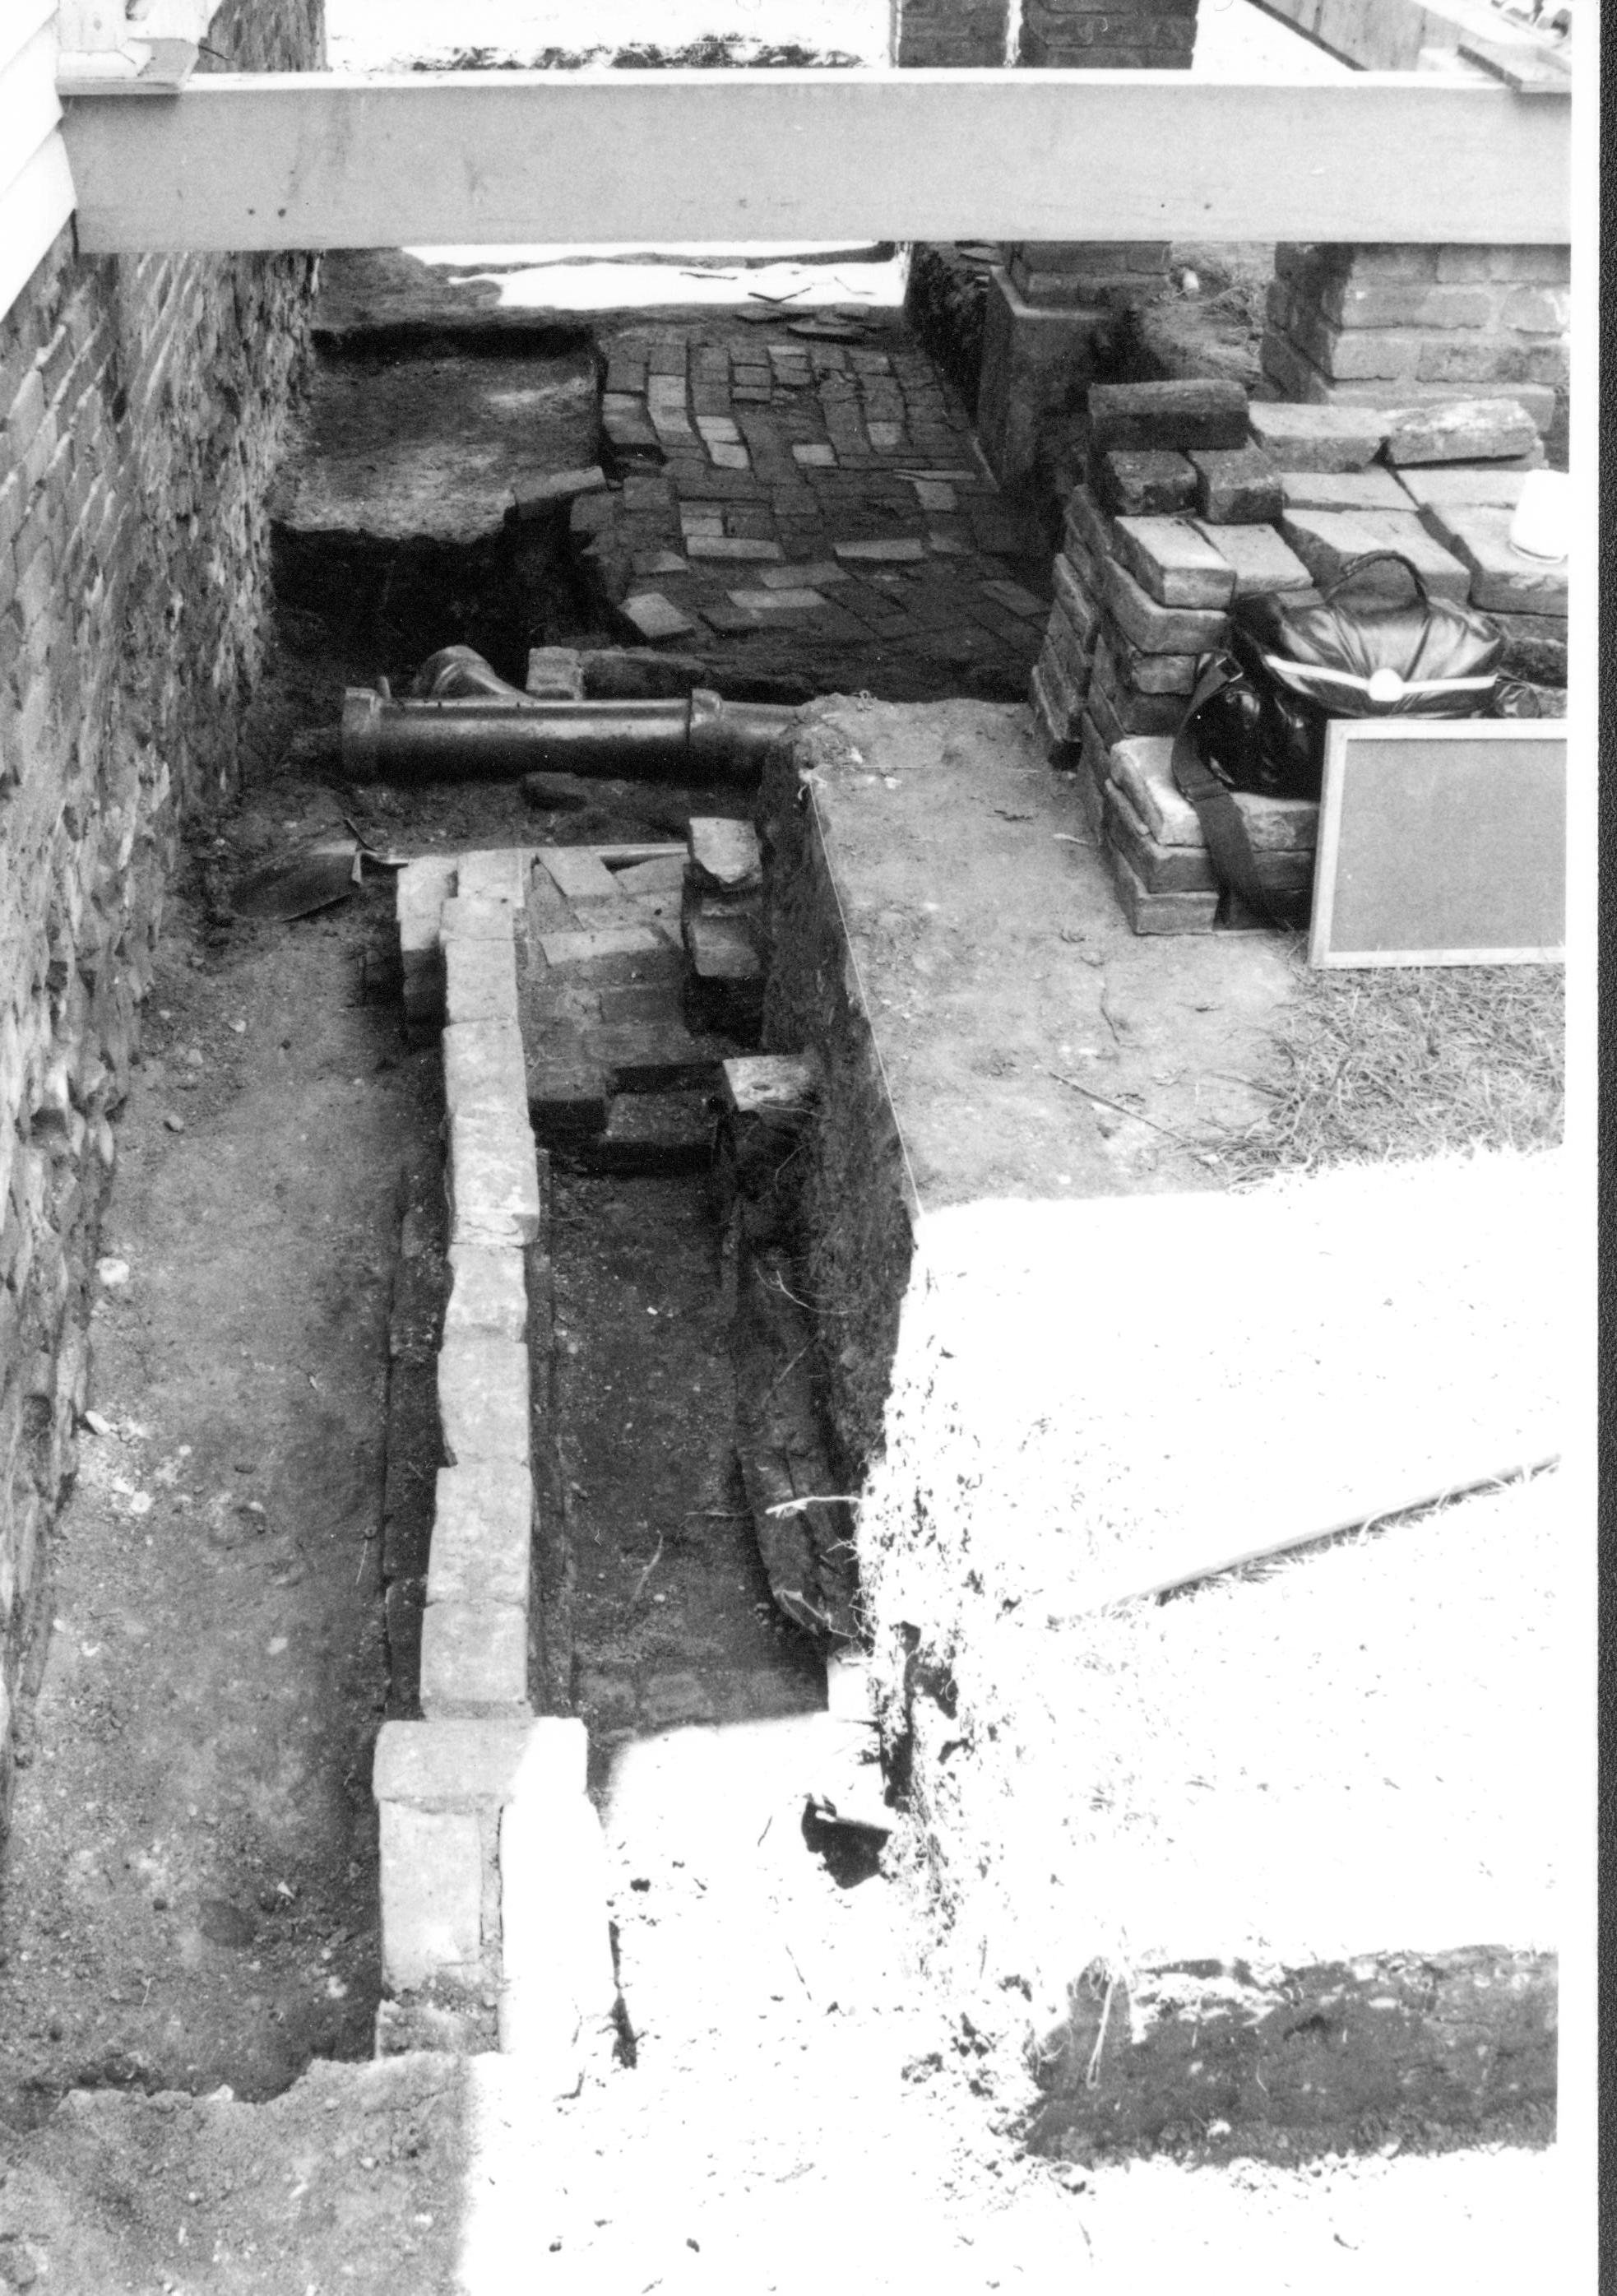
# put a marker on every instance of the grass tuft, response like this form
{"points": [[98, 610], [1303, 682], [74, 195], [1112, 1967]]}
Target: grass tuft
{"points": [[1387, 1064]]}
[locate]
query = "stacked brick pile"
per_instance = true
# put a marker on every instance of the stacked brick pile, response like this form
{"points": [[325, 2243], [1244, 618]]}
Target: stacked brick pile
{"points": [[1141, 591], [1369, 324], [1193, 500], [492, 1867]]}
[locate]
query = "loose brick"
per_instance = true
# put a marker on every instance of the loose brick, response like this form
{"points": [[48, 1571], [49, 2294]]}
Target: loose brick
{"points": [[892, 549], [1173, 561], [466, 1765], [475, 918], [656, 616], [1503, 579], [482, 1534], [563, 949], [1261, 562], [483, 1066], [498, 874], [1236, 487], [1144, 770], [1070, 654], [479, 976], [431, 1890], [1473, 429], [1205, 413], [1074, 598], [493, 1177], [1372, 489], [1318, 438], [1160, 868], [739, 548], [1142, 485], [725, 855], [488, 1292], [1159, 913], [1325, 540], [482, 1400], [474, 1659], [1156, 628]]}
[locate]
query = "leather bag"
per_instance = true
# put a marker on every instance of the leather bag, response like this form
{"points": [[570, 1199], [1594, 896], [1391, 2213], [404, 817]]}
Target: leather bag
{"points": [[1256, 720]]}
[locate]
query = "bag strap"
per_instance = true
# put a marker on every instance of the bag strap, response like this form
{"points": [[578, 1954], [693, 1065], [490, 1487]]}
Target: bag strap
{"points": [[1356, 566], [1223, 824]]}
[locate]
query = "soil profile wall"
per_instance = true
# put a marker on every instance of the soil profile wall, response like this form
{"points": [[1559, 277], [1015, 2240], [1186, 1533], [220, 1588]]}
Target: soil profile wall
{"points": [[141, 410], [858, 1208]]}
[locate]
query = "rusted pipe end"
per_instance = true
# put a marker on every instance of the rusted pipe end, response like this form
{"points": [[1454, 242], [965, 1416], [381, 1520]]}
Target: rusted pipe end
{"points": [[728, 739]]}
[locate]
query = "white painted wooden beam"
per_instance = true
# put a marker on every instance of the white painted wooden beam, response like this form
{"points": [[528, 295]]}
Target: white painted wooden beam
{"points": [[328, 160]]}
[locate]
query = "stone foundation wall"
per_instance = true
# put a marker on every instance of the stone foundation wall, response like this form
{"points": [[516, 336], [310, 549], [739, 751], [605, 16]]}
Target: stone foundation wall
{"points": [[141, 406]]}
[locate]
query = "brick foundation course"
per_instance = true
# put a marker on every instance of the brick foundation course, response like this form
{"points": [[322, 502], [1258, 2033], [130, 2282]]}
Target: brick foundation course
{"points": [[492, 1883], [1376, 323], [142, 410]]}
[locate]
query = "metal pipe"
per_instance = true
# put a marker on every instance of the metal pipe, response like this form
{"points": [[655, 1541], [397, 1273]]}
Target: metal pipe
{"points": [[702, 738]]}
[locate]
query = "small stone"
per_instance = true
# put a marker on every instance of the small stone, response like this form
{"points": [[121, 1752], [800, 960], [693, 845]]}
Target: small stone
{"points": [[173, 1123], [223, 1924]]}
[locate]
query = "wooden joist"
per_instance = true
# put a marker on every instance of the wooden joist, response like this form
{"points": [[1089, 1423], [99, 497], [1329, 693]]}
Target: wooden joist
{"points": [[324, 159]]}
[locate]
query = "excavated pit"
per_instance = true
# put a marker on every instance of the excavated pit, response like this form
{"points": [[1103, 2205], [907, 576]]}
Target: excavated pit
{"points": [[959, 1021]]}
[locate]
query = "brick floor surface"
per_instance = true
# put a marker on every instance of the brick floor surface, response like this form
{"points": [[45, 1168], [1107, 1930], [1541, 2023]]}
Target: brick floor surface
{"points": [[794, 508]]}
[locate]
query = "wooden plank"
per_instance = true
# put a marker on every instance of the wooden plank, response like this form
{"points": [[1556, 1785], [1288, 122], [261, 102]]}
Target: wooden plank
{"points": [[169, 65], [33, 208], [23, 19], [1524, 65], [325, 160], [29, 105], [1441, 841]]}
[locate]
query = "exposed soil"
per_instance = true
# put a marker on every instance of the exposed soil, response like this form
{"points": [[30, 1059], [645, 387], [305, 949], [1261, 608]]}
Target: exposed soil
{"points": [[189, 1883], [670, 1619]]}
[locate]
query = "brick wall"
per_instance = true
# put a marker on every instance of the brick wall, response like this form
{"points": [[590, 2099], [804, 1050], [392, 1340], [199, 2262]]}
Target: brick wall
{"points": [[1107, 35], [949, 35], [141, 406], [1375, 323]]}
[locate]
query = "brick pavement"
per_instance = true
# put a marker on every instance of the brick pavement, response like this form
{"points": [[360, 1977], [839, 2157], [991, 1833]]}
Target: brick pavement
{"points": [[788, 504]]}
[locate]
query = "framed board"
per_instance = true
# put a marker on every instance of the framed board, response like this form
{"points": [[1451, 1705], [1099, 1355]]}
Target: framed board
{"points": [[1441, 841]]}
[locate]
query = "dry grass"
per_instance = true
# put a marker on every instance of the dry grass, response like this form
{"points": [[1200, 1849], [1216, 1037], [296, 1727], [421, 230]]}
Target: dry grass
{"points": [[1385, 1065]]}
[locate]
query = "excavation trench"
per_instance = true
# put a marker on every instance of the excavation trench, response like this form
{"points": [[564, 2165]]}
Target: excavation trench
{"points": [[192, 1881]]}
